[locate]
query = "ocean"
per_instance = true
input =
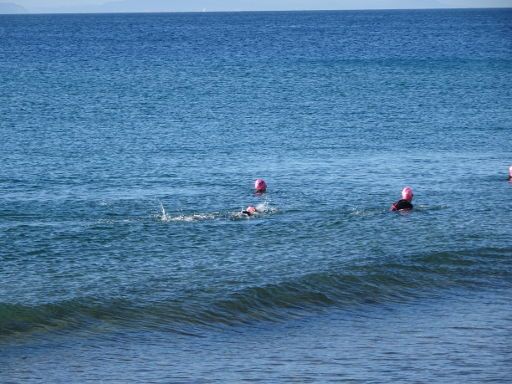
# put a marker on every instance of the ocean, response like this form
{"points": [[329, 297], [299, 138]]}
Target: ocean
{"points": [[130, 144]]}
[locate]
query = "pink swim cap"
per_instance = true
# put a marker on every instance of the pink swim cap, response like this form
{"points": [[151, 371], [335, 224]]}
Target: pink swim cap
{"points": [[260, 185], [407, 194], [510, 172], [251, 209]]}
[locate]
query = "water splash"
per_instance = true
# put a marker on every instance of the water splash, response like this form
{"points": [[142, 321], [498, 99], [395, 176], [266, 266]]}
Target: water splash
{"points": [[194, 217], [164, 216], [265, 207], [261, 209]]}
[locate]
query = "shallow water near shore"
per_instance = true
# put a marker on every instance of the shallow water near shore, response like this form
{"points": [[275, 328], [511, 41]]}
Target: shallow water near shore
{"points": [[130, 144]]}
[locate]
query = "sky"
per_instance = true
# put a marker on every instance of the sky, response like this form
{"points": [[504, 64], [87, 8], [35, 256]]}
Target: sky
{"points": [[241, 5]]}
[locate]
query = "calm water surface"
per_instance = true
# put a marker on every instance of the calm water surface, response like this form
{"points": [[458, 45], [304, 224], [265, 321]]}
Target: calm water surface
{"points": [[129, 145]]}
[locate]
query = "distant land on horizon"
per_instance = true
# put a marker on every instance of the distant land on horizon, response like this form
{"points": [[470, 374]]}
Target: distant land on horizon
{"points": [[11, 8], [239, 5]]}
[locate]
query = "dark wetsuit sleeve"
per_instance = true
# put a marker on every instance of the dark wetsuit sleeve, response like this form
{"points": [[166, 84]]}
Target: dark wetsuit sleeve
{"points": [[401, 204]]}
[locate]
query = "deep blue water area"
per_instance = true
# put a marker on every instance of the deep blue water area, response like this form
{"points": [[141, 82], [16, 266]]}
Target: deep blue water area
{"points": [[129, 144]]}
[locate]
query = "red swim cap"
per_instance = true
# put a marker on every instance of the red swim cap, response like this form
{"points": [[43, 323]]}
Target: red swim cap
{"points": [[260, 185], [407, 194]]}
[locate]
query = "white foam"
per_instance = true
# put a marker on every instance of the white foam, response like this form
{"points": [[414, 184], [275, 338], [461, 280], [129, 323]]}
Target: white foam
{"points": [[265, 208], [193, 217], [164, 216]]}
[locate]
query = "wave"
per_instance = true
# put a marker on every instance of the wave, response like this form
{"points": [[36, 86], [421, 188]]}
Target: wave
{"points": [[362, 283]]}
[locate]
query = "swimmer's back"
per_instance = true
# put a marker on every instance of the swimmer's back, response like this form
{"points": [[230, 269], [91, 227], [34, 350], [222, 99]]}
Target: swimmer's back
{"points": [[401, 204]]}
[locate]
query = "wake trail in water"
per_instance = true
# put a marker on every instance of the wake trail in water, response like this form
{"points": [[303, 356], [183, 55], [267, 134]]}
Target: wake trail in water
{"points": [[263, 208]]}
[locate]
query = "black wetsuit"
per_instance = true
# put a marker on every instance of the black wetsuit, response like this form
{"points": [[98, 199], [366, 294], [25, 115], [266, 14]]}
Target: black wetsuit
{"points": [[401, 204], [249, 212]]}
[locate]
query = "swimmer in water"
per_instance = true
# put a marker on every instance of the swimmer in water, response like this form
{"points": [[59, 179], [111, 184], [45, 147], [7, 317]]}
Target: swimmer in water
{"points": [[510, 174], [404, 204], [260, 186], [249, 211]]}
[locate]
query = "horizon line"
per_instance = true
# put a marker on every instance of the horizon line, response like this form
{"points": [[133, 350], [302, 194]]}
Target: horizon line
{"points": [[28, 12]]}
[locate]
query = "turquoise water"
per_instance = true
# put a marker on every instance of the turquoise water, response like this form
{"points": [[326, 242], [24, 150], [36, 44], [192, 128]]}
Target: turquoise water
{"points": [[130, 144]]}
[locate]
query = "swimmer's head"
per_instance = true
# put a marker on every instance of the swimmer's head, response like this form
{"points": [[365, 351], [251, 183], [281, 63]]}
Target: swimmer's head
{"points": [[260, 185], [407, 194], [510, 173], [250, 210]]}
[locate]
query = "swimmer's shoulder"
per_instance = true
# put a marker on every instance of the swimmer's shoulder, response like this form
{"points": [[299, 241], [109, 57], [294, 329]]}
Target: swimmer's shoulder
{"points": [[401, 204]]}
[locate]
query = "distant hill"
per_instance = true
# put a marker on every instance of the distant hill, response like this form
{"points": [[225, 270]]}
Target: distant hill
{"points": [[249, 5], [240, 5], [11, 8]]}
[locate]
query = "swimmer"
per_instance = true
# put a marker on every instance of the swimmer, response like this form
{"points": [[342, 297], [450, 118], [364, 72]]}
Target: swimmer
{"points": [[249, 211], [404, 204], [510, 174], [260, 186]]}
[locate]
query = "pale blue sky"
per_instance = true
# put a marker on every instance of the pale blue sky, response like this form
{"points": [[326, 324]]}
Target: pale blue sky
{"points": [[241, 5]]}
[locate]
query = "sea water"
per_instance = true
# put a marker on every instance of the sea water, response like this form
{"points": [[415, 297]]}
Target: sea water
{"points": [[130, 143]]}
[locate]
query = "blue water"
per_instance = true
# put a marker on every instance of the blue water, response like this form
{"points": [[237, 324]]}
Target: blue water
{"points": [[130, 143]]}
